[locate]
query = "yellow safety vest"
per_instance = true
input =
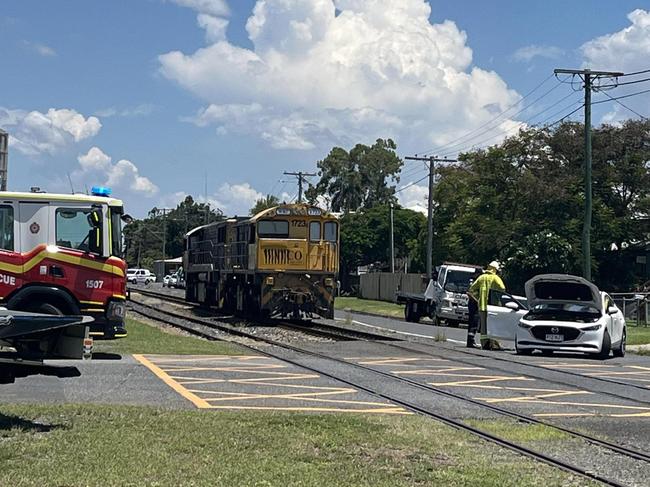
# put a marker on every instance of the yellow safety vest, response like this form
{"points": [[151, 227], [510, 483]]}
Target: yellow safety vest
{"points": [[480, 289]]}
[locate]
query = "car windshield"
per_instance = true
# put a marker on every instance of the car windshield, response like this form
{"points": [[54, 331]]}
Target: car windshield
{"points": [[458, 281], [564, 312]]}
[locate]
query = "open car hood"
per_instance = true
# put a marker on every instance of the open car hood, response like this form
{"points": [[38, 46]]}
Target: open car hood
{"points": [[562, 289]]}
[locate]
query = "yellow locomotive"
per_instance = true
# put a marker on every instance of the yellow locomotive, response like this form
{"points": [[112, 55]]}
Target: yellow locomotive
{"points": [[283, 261]]}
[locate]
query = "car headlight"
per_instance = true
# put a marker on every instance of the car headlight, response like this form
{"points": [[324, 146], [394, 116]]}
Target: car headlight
{"points": [[524, 325], [592, 328]]}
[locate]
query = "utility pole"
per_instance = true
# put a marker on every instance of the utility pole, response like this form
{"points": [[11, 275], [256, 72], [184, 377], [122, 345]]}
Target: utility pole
{"points": [[4, 159], [588, 77], [301, 178], [392, 240], [432, 169], [164, 212]]}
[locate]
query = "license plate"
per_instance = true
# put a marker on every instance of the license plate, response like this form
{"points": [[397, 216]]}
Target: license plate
{"points": [[554, 338]]}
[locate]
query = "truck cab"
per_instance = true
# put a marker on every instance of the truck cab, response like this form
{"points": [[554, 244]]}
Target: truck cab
{"points": [[449, 292], [62, 254]]}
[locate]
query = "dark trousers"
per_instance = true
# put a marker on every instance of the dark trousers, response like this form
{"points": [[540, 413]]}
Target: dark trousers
{"points": [[472, 326]]}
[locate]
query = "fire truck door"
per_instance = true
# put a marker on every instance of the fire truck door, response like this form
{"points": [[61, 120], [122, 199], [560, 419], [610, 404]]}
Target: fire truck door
{"points": [[34, 225]]}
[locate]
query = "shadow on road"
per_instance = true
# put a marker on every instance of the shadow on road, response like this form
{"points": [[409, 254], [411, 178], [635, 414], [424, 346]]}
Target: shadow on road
{"points": [[9, 422]]}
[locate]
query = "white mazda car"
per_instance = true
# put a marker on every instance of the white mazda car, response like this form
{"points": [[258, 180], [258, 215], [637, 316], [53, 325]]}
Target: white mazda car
{"points": [[569, 314]]}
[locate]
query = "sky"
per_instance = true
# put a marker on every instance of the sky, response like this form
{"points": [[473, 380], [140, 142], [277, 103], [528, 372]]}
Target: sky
{"points": [[159, 99]]}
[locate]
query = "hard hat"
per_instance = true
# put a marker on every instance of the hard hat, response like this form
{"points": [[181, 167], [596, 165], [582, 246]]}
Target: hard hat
{"points": [[495, 265]]}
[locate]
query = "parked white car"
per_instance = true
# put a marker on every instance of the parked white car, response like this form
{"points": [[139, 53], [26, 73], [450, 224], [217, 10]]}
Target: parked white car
{"points": [[140, 276], [166, 280], [569, 314]]}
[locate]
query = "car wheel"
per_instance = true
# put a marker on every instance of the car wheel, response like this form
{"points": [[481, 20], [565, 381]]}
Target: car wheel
{"points": [[134, 281], [619, 351], [606, 347], [453, 323]]}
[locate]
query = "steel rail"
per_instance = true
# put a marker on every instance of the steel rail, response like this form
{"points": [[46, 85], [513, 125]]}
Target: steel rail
{"points": [[408, 405]]}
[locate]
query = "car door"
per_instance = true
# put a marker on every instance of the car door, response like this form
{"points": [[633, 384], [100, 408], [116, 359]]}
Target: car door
{"points": [[502, 321], [616, 319]]}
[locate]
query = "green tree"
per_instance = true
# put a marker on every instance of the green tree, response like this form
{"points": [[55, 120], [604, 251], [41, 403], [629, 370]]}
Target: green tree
{"points": [[525, 196], [362, 178], [365, 238], [264, 203], [144, 238]]}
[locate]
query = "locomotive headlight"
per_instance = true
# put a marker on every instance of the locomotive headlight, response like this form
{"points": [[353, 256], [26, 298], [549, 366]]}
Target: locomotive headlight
{"points": [[270, 280], [329, 282]]}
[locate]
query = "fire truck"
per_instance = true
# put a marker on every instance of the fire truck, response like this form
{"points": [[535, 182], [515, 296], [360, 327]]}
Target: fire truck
{"points": [[62, 254]]}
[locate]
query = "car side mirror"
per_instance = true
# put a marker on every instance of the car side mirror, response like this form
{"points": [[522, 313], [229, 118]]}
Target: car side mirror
{"points": [[612, 310], [512, 305]]}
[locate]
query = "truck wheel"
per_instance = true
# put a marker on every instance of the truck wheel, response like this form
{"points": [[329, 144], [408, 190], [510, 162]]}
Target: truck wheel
{"points": [[44, 308]]}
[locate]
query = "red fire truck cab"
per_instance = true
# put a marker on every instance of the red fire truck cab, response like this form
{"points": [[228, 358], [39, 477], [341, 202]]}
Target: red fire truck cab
{"points": [[62, 254]]}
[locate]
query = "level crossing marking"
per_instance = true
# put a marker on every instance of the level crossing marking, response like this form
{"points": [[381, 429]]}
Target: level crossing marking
{"points": [[162, 375], [253, 374]]}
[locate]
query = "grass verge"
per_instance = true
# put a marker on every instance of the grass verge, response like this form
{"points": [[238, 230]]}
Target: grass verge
{"points": [[638, 335], [369, 306], [105, 446], [145, 338]]}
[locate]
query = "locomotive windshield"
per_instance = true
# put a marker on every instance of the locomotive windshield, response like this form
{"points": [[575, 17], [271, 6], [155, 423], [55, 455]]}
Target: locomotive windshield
{"points": [[273, 229]]}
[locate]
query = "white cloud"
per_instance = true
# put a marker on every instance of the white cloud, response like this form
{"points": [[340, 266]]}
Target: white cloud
{"points": [[414, 197], [627, 50], [315, 77], [217, 8], [141, 110], [234, 199], [528, 53], [40, 49], [34, 132], [96, 166]]}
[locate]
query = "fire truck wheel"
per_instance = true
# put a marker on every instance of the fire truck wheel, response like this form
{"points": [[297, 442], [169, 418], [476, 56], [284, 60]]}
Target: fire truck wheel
{"points": [[45, 308]]}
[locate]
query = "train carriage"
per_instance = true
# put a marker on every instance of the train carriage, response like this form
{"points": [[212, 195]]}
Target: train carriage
{"points": [[281, 262]]}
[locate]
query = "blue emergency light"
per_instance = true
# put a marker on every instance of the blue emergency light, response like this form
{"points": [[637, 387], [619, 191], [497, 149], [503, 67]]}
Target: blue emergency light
{"points": [[101, 191]]}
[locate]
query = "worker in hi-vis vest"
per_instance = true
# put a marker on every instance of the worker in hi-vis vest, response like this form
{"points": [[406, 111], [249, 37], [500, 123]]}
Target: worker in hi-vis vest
{"points": [[480, 292]]}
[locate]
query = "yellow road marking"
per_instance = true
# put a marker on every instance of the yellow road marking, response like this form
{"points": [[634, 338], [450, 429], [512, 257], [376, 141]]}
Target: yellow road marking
{"points": [[530, 398], [203, 358], [395, 360], [200, 380], [464, 383], [388, 410], [235, 368], [162, 375], [563, 415], [433, 371]]}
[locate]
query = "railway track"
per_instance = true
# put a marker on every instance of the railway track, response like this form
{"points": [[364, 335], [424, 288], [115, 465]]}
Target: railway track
{"points": [[338, 331], [202, 327]]}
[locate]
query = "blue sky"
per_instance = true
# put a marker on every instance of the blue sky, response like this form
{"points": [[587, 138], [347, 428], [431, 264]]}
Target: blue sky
{"points": [[152, 95]]}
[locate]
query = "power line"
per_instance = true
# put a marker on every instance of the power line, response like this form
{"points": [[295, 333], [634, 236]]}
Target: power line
{"points": [[636, 72], [496, 117], [513, 129], [565, 117], [411, 184], [621, 97], [611, 98], [449, 145], [616, 85]]}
